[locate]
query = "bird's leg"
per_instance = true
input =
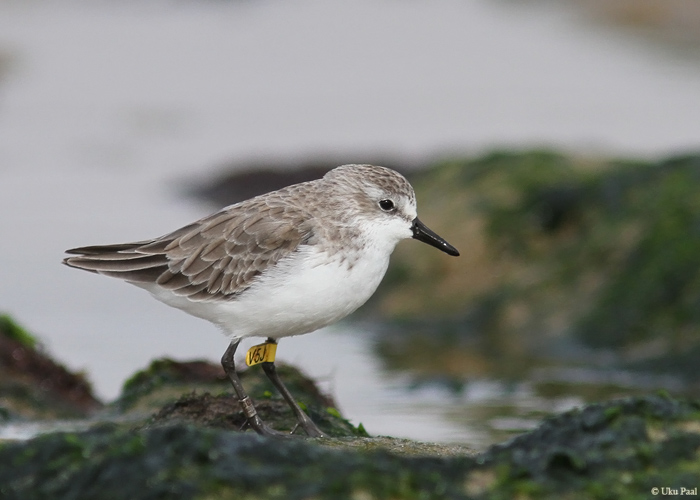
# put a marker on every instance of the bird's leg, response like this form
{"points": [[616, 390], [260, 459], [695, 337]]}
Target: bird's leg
{"points": [[306, 423], [246, 404]]}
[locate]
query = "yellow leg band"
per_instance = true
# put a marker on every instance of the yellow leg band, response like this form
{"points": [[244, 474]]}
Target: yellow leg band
{"points": [[261, 353]]}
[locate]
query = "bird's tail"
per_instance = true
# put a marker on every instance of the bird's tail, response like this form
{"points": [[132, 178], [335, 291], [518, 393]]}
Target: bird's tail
{"points": [[140, 262]]}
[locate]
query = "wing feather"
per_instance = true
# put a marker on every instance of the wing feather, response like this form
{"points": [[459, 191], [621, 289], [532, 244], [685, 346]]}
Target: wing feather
{"points": [[214, 258]]}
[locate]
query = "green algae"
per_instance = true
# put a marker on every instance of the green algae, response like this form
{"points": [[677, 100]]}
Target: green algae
{"points": [[165, 380], [618, 449], [13, 330], [198, 392], [604, 253], [187, 462], [32, 384]]}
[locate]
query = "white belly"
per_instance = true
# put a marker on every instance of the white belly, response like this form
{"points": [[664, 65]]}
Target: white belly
{"points": [[300, 295]]}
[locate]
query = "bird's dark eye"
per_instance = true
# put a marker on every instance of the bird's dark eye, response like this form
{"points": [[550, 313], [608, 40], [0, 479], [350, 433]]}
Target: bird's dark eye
{"points": [[386, 205]]}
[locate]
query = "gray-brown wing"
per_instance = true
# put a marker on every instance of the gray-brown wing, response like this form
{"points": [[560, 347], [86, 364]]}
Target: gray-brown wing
{"points": [[214, 258]]}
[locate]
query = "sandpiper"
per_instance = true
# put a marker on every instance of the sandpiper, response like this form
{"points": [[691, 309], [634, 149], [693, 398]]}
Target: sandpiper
{"points": [[283, 263]]}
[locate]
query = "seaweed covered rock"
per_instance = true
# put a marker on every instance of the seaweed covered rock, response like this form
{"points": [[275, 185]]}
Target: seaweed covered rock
{"points": [[189, 462], [602, 253], [198, 392], [165, 380], [223, 412], [32, 385], [620, 449]]}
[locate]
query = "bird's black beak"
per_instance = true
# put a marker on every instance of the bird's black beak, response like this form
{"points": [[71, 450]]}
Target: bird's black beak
{"points": [[422, 233]]}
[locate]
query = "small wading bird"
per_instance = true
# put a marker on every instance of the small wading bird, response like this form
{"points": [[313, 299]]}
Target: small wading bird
{"points": [[284, 263]]}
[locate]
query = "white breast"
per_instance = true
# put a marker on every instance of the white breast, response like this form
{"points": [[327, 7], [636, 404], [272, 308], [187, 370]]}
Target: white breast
{"points": [[302, 293]]}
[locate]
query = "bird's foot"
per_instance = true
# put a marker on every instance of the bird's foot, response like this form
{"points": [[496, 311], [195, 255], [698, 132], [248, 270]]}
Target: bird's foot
{"points": [[254, 420], [309, 427], [265, 430]]}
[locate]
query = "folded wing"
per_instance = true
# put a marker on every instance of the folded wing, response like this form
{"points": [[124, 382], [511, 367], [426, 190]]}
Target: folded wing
{"points": [[214, 258]]}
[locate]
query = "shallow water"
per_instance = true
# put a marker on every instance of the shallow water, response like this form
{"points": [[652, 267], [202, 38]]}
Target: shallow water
{"points": [[108, 108]]}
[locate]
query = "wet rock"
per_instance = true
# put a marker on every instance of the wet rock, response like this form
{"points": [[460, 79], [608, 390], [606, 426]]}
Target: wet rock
{"points": [[198, 392], [674, 22], [32, 385], [187, 462], [619, 449], [165, 380], [223, 412], [558, 251]]}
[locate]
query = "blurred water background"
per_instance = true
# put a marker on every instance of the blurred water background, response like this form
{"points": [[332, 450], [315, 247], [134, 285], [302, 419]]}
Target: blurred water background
{"points": [[110, 111]]}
